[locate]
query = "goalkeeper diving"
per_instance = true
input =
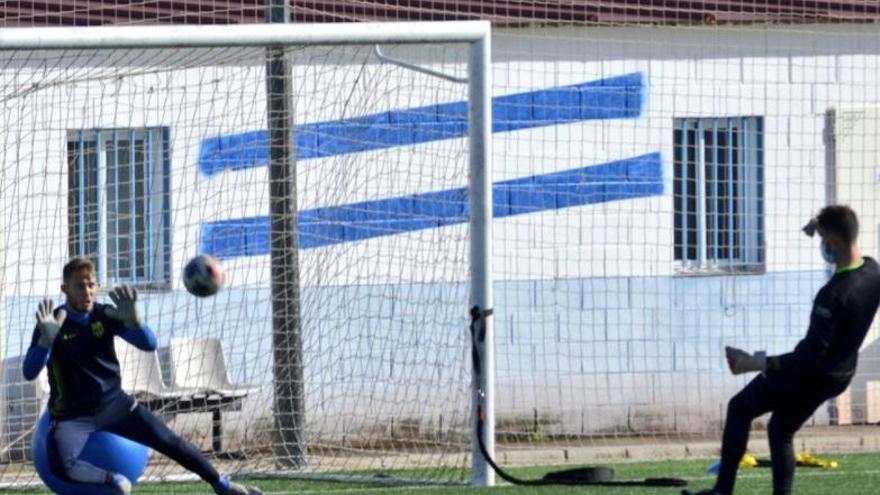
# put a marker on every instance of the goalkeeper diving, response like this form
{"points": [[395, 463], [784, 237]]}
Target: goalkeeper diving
{"points": [[75, 341], [793, 385]]}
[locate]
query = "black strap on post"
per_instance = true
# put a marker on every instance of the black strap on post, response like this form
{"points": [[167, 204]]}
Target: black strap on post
{"points": [[601, 476]]}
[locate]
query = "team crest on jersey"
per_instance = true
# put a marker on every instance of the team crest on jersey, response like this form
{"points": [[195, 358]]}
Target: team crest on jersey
{"points": [[97, 329]]}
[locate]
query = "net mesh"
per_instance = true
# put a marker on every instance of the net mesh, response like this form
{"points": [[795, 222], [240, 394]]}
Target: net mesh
{"points": [[141, 159], [654, 162]]}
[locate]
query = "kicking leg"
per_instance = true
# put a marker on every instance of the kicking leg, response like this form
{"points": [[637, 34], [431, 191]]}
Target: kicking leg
{"points": [[142, 426], [755, 399], [752, 401], [780, 434], [786, 421]]}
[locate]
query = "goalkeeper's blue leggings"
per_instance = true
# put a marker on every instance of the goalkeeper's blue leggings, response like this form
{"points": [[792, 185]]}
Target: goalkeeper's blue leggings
{"points": [[123, 416], [792, 400]]}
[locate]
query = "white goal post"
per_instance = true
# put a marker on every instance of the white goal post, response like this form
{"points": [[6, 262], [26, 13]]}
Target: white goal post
{"points": [[30, 42]]}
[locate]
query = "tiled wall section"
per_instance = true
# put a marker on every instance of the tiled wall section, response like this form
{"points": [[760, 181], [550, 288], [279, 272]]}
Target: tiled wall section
{"points": [[584, 356]]}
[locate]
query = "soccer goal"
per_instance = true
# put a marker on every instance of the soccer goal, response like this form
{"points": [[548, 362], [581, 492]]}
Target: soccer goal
{"points": [[341, 175]]}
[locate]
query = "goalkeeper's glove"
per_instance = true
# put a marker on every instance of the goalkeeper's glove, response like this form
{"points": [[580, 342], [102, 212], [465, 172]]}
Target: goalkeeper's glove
{"points": [[48, 323], [740, 361], [126, 311]]}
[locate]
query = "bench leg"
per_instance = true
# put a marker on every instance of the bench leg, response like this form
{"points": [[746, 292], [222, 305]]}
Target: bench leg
{"points": [[216, 431]]}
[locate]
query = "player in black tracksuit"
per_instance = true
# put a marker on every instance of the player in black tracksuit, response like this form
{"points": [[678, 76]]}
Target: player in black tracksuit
{"points": [[795, 384], [75, 341]]}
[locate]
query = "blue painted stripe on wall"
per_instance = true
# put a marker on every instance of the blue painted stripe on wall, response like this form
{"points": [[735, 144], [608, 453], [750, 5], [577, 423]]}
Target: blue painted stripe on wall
{"points": [[624, 179], [615, 97]]}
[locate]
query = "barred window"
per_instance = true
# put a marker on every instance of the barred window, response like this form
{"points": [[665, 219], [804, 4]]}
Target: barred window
{"points": [[119, 203], [719, 194]]}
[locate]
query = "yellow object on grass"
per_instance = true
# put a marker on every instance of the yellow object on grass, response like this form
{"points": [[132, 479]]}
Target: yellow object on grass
{"points": [[748, 461], [809, 460]]}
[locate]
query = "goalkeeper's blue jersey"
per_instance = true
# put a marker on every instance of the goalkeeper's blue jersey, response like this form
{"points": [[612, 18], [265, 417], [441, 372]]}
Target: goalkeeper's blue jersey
{"points": [[82, 367]]}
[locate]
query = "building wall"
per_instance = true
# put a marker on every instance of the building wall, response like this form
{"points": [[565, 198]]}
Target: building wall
{"points": [[595, 330]]}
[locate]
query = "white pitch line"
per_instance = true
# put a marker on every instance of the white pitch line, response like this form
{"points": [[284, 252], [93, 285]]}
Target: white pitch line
{"points": [[798, 474], [415, 488], [383, 489]]}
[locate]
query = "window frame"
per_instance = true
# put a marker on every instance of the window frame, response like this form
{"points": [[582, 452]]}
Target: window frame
{"points": [[720, 184], [94, 213]]}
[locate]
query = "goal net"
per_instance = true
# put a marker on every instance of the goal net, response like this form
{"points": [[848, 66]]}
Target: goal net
{"points": [[141, 158], [674, 182], [653, 162]]}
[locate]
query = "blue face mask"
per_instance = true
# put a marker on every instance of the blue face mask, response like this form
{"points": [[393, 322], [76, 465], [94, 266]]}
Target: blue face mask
{"points": [[826, 254]]}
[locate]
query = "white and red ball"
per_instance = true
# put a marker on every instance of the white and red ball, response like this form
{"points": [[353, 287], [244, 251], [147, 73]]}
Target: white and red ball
{"points": [[203, 276]]}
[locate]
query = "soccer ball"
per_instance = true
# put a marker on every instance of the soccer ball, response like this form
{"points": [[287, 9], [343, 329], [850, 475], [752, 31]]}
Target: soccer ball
{"points": [[203, 276]]}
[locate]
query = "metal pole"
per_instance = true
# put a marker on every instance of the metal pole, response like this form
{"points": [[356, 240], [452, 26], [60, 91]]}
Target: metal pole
{"points": [[290, 447], [182, 36], [116, 233], [685, 175], [81, 212], [480, 138], [699, 149], [731, 218], [101, 188], [716, 201], [745, 186], [148, 205], [132, 207]]}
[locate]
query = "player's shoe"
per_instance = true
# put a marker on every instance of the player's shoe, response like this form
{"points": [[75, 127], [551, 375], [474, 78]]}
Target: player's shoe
{"points": [[120, 485], [237, 489], [702, 492], [226, 487]]}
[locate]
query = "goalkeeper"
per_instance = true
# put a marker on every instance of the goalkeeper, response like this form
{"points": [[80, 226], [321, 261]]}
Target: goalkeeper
{"points": [[793, 385], [76, 342]]}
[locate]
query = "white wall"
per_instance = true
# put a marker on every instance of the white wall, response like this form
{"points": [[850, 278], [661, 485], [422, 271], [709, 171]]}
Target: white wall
{"points": [[554, 268]]}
